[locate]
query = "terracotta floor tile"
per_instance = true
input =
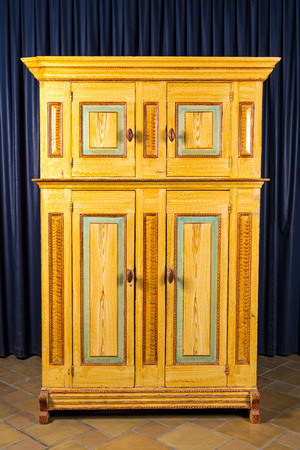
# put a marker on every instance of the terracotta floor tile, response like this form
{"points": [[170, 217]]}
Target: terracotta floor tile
{"points": [[114, 425], [209, 421], [13, 378], [294, 356], [32, 406], [26, 369], [9, 435], [17, 397], [290, 420], [279, 386], [236, 445], [290, 438], [4, 372], [55, 432], [6, 389], [28, 444], [296, 393], [32, 385], [132, 441], [293, 364], [290, 376], [153, 429], [92, 438], [276, 401], [265, 415], [258, 435], [21, 420], [271, 361], [7, 410], [262, 370], [190, 436], [276, 446], [262, 381], [69, 445], [173, 419]]}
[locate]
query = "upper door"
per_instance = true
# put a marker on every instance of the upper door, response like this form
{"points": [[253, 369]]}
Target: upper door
{"points": [[103, 288], [197, 262], [103, 129], [198, 127]]}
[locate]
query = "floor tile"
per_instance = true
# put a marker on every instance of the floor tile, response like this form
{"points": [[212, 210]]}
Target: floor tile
{"points": [[32, 385], [296, 392], [17, 397], [28, 444], [290, 438], [9, 435], [258, 435], [133, 441], [276, 401], [262, 381], [4, 372], [55, 432], [6, 389], [21, 420], [189, 436], [114, 425], [294, 356], [13, 378], [32, 406], [276, 446], [271, 362], [7, 410], [290, 376], [290, 420], [279, 386], [172, 419], [236, 445], [265, 415], [69, 445], [209, 421], [92, 438], [153, 429], [293, 364]]}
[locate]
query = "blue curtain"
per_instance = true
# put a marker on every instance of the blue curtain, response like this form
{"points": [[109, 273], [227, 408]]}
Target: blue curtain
{"points": [[158, 28]]}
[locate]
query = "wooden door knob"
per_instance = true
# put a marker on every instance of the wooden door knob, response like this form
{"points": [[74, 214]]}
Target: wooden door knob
{"points": [[129, 135], [129, 275], [171, 134], [170, 275]]}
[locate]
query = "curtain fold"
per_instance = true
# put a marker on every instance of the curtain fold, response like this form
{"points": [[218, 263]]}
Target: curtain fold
{"points": [[145, 28]]}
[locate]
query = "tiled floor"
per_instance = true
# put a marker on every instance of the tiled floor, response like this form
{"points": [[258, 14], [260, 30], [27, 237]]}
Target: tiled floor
{"points": [[278, 382]]}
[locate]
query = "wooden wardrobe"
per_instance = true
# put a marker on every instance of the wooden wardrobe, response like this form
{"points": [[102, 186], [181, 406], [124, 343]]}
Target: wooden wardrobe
{"points": [[150, 204]]}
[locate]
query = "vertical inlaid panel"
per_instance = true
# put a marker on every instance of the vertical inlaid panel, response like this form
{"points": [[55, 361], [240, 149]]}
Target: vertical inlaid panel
{"points": [[150, 132], [197, 288], [103, 129], [150, 288], [56, 288], [103, 289], [199, 129], [55, 130], [246, 129], [243, 291]]}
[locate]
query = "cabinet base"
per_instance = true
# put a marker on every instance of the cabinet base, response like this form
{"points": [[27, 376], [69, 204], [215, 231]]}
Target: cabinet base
{"points": [[142, 398]]}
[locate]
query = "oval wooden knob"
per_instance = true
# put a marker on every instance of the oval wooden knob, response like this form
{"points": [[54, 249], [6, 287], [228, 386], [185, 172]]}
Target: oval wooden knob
{"points": [[171, 135], [129, 135], [129, 275], [170, 275]]}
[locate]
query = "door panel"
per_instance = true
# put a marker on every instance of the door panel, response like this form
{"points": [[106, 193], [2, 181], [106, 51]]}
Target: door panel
{"points": [[197, 251], [102, 113], [103, 242], [199, 114]]}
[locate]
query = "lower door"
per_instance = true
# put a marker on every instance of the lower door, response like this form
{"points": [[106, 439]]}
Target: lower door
{"points": [[197, 273], [103, 289]]}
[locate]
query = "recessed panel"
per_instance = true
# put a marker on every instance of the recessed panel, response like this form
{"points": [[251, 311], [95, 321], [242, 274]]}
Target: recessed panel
{"points": [[198, 130], [246, 129], [102, 129], [103, 289], [197, 296], [150, 124], [55, 130]]}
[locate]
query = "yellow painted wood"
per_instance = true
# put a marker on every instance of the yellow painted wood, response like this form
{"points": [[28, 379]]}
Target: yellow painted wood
{"points": [[103, 94], [151, 129], [151, 203], [198, 130], [103, 129], [103, 203], [196, 297], [103, 289], [150, 68], [209, 374], [55, 130], [198, 94]]}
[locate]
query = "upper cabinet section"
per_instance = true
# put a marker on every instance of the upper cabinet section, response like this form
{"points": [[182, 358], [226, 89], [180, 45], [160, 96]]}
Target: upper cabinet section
{"points": [[150, 117]]}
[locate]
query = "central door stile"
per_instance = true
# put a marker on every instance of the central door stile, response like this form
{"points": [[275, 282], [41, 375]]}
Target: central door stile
{"points": [[150, 287]]}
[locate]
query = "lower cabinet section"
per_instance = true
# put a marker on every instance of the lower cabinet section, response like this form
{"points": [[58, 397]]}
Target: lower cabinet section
{"points": [[150, 298]]}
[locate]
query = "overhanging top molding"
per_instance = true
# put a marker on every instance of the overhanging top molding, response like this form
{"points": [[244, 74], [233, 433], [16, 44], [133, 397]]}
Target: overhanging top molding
{"points": [[51, 68]]}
